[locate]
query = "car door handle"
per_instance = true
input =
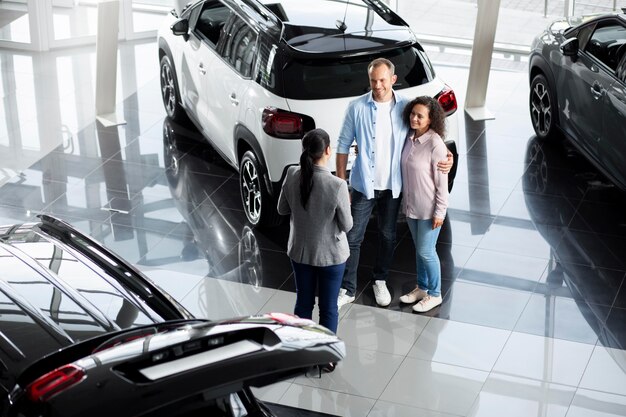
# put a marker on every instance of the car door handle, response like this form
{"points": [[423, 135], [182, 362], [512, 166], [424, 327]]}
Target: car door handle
{"points": [[233, 99], [596, 90], [201, 68]]}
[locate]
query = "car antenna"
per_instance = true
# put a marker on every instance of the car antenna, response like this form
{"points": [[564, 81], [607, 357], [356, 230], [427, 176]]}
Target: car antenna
{"points": [[341, 24]]}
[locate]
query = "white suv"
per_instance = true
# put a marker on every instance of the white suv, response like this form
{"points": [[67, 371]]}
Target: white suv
{"points": [[255, 75]]}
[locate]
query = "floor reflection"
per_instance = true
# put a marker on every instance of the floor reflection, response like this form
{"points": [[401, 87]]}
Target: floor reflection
{"points": [[586, 265]]}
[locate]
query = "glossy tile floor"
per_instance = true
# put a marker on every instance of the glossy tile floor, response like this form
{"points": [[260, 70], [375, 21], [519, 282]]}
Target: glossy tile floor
{"points": [[533, 249]]}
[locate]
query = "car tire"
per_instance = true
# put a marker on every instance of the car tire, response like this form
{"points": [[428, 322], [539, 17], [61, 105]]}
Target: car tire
{"points": [[169, 90], [543, 109], [258, 204]]}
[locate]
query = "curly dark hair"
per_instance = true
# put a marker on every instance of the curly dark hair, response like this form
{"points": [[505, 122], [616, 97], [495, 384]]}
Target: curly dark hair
{"points": [[435, 113]]}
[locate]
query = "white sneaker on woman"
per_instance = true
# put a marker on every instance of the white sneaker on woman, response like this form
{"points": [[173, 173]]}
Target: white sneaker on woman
{"points": [[414, 296], [427, 303]]}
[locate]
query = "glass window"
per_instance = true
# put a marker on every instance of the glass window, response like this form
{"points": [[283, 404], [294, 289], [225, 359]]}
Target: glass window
{"points": [[239, 48], [49, 299], [84, 277], [605, 44], [314, 79], [211, 21], [621, 67], [583, 35], [20, 330]]}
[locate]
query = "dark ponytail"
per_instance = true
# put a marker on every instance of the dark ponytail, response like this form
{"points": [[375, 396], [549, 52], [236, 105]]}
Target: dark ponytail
{"points": [[314, 143]]}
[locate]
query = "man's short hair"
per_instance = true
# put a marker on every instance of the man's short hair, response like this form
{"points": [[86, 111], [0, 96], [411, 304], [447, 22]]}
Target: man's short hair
{"points": [[381, 61]]}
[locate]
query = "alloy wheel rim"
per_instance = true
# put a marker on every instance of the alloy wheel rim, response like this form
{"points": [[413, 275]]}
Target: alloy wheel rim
{"points": [[167, 88], [541, 109], [251, 189]]}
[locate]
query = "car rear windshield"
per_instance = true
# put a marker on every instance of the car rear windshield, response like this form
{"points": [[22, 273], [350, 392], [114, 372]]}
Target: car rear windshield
{"points": [[314, 79]]}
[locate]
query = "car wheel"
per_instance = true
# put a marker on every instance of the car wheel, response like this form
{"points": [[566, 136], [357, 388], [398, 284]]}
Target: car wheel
{"points": [[169, 90], [542, 107], [259, 206], [250, 265]]}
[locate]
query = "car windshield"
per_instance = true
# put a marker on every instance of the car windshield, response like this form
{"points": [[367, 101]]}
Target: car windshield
{"points": [[314, 79]]}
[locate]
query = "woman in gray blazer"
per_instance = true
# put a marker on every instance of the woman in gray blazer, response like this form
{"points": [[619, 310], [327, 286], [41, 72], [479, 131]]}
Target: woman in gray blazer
{"points": [[319, 208]]}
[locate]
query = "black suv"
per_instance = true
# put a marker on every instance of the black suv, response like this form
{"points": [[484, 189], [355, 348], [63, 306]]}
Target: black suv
{"points": [[255, 75]]}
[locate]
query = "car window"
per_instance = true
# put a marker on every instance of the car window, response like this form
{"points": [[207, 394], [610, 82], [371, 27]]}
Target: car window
{"points": [[48, 299], [583, 35], [83, 276], [104, 296], [192, 14], [312, 79], [211, 21], [239, 47], [606, 42], [20, 331], [621, 67]]}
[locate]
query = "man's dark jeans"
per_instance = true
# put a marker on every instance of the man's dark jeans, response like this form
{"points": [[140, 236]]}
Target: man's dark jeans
{"points": [[387, 209]]}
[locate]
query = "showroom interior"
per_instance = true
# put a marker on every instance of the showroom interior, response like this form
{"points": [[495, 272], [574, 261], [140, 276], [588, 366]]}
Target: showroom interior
{"points": [[533, 249]]}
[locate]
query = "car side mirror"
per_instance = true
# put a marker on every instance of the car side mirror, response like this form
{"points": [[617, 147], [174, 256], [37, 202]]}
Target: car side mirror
{"points": [[570, 47], [180, 28]]}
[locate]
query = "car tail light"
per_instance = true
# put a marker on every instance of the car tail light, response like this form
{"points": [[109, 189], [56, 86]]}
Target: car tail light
{"points": [[54, 382], [284, 124], [447, 99]]}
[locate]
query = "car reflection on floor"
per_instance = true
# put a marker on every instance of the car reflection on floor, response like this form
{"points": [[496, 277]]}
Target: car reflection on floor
{"points": [[207, 232], [579, 214]]}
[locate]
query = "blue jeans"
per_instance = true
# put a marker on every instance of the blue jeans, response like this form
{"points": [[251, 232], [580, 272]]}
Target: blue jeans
{"points": [[327, 279], [428, 265], [387, 211]]}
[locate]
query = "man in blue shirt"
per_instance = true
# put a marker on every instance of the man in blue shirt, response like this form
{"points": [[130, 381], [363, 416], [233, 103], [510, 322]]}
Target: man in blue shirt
{"points": [[374, 121]]}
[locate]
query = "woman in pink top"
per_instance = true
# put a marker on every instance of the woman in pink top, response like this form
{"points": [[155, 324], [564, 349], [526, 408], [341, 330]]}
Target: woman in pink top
{"points": [[424, 196]]}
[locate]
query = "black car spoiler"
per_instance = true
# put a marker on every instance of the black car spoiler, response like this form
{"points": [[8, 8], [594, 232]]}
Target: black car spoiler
{"points": [[86, 347]]}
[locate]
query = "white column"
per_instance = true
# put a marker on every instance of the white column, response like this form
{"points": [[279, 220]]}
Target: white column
{"points": [[106, 62], [480, 64], [568, 9], [39, 19]]}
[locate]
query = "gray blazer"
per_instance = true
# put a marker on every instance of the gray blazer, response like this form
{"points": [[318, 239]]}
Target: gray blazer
{"points": [[318, 234]]}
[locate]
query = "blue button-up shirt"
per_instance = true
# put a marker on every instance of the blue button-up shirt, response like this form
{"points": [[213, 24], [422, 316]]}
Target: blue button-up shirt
{"points": [[359, 125]]}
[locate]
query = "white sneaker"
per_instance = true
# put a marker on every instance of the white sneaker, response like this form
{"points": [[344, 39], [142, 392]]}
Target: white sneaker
{"points": [[381, 293], [427, 303], [414, 296], [343, 298]]}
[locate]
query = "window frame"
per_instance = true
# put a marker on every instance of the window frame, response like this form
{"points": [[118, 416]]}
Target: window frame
{"points": [[608, 23]]}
